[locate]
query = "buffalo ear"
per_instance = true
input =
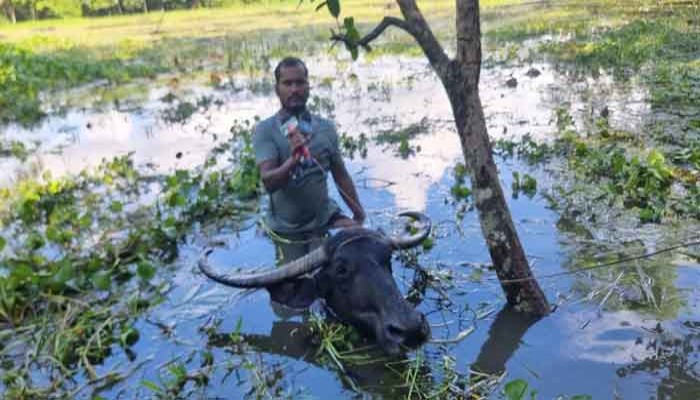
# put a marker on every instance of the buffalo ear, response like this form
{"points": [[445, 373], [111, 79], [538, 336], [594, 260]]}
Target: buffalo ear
{"points": [[296, 293]]}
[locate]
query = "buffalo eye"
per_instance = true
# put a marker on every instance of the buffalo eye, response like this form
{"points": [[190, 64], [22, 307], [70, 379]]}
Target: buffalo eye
{"points": [[341, 271]]}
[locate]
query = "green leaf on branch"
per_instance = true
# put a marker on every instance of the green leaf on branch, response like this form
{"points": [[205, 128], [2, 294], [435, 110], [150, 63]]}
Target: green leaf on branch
{"points": [[334, 7], [350, 30], [320, 6], [353, 52]]}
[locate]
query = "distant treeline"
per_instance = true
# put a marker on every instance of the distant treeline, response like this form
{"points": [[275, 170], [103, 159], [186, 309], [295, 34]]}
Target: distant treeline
{"points": [[23, 10]]}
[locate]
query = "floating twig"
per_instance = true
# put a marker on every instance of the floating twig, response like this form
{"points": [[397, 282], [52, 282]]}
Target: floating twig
{"points": [[460, 336]]}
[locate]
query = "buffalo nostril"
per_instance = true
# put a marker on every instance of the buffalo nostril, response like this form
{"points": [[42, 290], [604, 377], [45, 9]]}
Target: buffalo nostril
{"points": [[395, 331]]}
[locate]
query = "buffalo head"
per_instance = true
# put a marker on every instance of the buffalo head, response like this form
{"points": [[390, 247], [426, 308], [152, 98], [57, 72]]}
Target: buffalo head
{"points": [[352, 273]]}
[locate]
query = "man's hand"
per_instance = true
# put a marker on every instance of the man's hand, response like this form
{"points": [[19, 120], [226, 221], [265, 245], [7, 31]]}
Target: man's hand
{"points": [[297, 141]]}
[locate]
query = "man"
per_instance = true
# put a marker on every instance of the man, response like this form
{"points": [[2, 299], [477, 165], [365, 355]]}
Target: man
{"points": [[294, 151]]}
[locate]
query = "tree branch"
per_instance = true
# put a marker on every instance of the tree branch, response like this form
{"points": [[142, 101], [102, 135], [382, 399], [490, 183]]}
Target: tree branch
{"points": [[420, 30], [416, 26], [378, 30]]}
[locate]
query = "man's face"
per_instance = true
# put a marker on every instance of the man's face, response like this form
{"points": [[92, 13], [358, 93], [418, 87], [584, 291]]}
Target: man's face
{"points": [[293, 88]]}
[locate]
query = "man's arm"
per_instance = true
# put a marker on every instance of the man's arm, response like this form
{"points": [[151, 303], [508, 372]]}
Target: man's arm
{"points": [[347, 191], [275, 176]]}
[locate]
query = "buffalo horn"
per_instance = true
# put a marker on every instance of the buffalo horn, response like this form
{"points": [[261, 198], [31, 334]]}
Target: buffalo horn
{"points": [[406, 241], [291, 269]]}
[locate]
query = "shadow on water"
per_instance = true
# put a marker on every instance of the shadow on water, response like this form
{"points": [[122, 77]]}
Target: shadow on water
{"points": [[505, 336], [377, 373]]}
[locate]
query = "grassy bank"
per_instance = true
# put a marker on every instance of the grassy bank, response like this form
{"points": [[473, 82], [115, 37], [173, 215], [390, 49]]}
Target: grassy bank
{"points": [[55, 54], [660, 41]]}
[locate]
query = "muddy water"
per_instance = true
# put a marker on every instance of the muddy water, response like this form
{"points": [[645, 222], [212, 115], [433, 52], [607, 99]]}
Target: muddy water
{"points": [[620, 347]]}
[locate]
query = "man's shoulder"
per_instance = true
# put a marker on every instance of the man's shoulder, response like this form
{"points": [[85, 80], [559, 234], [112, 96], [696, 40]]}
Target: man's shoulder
{"points": [[266, 124], [324, 125], [322, 121]]}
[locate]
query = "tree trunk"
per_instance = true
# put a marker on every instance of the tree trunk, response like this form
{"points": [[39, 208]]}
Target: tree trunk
{"points": [[120, 6], [460, 77], [9, 9], [145, 6], [497, 226]]}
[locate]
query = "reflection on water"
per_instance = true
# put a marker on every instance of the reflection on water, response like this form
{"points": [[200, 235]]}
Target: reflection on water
{"points": [[587, 346], [674, 357], [505, 336], [297, 340]]}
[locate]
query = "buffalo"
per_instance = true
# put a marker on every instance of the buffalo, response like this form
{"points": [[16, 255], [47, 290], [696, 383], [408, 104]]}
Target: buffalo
{"points": [[351, 272]]}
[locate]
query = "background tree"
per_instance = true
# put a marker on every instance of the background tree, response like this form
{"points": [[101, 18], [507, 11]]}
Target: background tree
{"points": [[8, 8], [460, 77]]}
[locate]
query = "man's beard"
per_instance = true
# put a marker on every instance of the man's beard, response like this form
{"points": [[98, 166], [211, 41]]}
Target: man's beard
{"points": [[296, 109]]}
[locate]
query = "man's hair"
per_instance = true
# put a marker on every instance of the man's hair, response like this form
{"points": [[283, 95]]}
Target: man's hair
{"points": [[289, 62]]}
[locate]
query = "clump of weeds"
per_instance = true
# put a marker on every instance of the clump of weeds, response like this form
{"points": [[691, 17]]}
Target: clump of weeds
{"points": [[400, 139], [81, 258], [658, 182]]}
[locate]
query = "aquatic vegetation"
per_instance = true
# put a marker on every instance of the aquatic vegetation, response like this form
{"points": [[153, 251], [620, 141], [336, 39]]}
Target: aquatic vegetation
{"points": [[677, 85], [526, 185], [657, 181], [350, 145], [630, 45], [81, 256], [93, 262], [26, 71], [181, 42], [399, 139], [519, 389], [14, 148], [182, 110]]}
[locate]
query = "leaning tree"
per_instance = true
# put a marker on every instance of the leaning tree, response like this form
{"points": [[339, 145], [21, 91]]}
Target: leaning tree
{"points": [[460, 77]]}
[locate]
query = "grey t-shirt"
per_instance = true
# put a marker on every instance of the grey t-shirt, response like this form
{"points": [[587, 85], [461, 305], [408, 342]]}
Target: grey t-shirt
{"points": [[303, 205]]}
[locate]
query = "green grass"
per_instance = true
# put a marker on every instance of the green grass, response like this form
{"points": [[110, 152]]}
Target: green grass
{"points": [[631, 45], [25, 72], [54, 54], [580, 18], [211, 22]]}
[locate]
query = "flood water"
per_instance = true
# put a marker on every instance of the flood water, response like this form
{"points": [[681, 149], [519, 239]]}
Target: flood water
{"points": [[604, 340]]}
